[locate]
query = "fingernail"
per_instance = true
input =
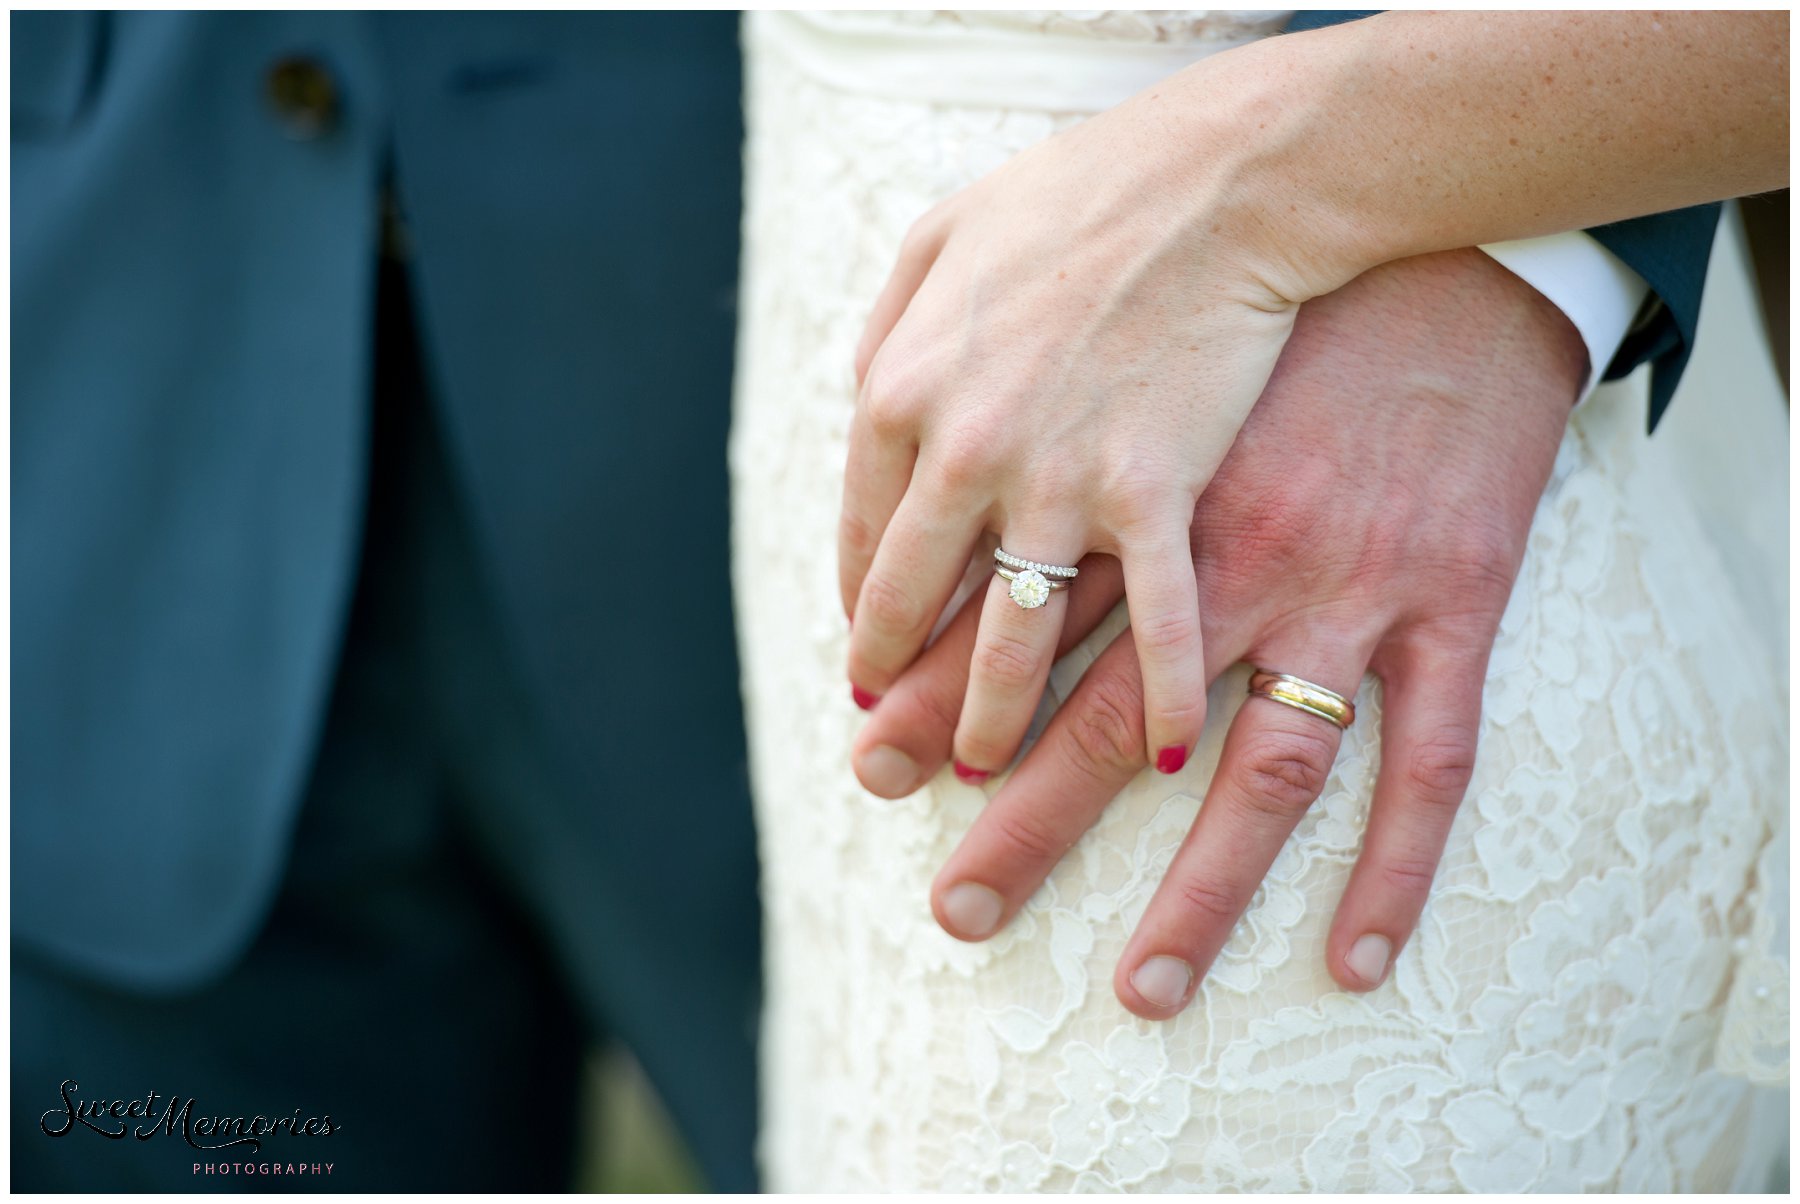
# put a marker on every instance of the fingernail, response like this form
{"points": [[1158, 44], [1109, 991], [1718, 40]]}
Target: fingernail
{"points": [[887, 771], [863, 698], [1162, 981], [973, 909], [1171, 759], [1368, 958], [973, 777]]}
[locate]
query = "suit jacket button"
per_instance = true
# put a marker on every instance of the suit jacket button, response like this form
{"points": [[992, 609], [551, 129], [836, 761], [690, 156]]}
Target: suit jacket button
{"points": [[303, 95]]}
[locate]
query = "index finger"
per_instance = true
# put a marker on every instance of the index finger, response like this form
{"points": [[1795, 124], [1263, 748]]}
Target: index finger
{"points": [[918, 251], [907, 738], [1092, 747]]}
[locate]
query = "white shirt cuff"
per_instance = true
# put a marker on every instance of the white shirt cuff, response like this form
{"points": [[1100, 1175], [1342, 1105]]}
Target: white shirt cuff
{"points": [[1592, 286]]}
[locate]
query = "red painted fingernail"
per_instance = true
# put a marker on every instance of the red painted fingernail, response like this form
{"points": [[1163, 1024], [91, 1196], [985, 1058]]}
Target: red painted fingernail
{"points": [[1171, 759], [863, 698], [973, 777]]}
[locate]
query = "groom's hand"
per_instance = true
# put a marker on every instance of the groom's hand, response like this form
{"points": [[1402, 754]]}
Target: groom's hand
{"points": [[1371, 517]]}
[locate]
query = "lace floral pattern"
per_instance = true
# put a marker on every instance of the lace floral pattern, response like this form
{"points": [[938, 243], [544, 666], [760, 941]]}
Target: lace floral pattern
{"points": [[1190, 27], [1598, 976]]}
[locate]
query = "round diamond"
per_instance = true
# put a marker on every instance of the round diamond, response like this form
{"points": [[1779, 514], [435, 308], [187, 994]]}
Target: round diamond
{"points": [[1030, 589]]}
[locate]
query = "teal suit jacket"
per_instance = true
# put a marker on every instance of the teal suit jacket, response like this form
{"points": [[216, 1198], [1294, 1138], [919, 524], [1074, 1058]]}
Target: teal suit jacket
{"points": [[193, 272]]}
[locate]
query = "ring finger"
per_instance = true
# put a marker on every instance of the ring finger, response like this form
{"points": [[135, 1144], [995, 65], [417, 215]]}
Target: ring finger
{"points": [[1013, 650]]}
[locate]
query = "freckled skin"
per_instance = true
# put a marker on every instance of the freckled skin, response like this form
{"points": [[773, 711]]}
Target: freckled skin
{"points": [[1379, 496], [1613, 114], [1067, 349]]}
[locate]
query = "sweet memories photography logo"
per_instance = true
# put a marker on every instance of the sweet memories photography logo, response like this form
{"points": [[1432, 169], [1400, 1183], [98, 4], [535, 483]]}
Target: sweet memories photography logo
{"points": [[156, 1115]]}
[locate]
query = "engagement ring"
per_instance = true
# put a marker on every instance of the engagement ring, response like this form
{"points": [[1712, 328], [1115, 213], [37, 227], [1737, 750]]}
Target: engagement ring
{"points": [[1032, 582]]}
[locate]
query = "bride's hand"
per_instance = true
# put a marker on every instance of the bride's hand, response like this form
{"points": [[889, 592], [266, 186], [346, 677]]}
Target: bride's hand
{"points": [[1063, 355], [1373, 514], [1066, 349]]}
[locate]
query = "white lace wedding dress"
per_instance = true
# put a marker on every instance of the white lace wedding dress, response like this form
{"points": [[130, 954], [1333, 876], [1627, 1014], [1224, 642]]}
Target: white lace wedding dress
{"points": [[1597, 996]]}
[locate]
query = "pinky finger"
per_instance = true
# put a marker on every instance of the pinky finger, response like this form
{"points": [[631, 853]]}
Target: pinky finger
{"points": [[918, 251], [1430, 717], [1164, 603]]}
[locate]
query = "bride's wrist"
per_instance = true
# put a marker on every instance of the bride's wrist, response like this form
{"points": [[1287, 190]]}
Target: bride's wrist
{"points": [[1266, 141]]}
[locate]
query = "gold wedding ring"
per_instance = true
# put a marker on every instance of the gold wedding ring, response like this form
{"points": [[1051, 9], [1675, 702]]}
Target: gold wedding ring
{"points": [[1303, 695]]}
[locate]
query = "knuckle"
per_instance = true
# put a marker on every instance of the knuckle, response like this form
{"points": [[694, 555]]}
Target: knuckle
{"points": [[1439, 769], [1486, 550], [1052, 488], [1408, 875], [1168, 634], [1027, 836], [980, 748], [889, 414], [887, 607], [965, 460], [1282, 772], [1209, 900], [940, 709], [1107, 728], [1182, 714], [857, 536], [890, 392], [922, 235], [1479, 584], [1134, 504], [1277, 525], [1475, 561], [1006, 662]]}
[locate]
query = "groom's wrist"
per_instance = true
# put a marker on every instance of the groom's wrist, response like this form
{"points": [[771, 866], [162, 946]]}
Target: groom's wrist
{"points": [[1597, 291]]}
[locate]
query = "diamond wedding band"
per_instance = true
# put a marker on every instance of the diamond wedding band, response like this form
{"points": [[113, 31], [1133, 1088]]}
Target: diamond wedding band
{"points": [[1032, 582]]}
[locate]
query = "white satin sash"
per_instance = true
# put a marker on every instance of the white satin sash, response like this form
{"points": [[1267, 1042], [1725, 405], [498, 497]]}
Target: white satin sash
{"points": [[999, 60]]}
